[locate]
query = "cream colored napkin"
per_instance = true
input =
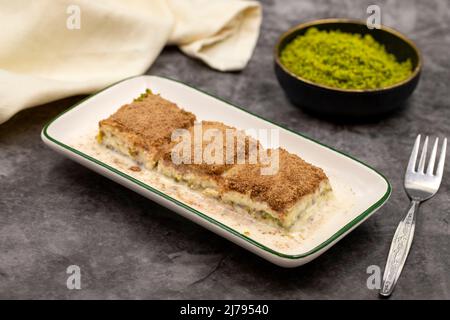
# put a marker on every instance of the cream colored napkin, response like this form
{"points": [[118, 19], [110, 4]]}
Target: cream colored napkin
{"points": [[51, 49]]}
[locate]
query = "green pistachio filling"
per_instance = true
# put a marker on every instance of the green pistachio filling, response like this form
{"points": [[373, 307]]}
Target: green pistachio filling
{"points": [[143, 95], [343, 60]]}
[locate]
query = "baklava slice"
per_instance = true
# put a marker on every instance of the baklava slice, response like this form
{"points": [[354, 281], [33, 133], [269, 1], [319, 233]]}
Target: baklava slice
{"points": [[201, 155], [283, 195], [143, 128]]}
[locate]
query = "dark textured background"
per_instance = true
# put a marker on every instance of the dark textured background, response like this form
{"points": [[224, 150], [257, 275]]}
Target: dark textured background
{"points": [[54, 213]]}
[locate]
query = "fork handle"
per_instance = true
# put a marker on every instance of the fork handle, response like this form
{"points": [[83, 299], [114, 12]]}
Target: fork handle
{"points": [[399, 249]]}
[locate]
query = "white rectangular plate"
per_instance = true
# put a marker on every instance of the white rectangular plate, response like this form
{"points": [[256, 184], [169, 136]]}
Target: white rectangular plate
{"points": [[359, 190]]}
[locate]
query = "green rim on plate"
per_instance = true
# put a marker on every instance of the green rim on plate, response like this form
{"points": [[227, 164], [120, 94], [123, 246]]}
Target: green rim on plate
{"points": [[335, 236]]}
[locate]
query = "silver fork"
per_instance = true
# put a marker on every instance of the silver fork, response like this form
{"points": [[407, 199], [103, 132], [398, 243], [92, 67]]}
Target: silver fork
{"points": [[420, 185]]}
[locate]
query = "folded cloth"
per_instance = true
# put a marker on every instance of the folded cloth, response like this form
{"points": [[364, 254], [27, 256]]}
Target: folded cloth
{"points": [[53, 49]]}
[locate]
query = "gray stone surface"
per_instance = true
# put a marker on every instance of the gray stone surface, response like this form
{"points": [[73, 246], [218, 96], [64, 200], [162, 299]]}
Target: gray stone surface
{"points": [[54, 213]]}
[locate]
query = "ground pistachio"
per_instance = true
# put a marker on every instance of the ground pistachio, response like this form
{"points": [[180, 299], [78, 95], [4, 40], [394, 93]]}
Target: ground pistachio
{"points": [[343, 60]]}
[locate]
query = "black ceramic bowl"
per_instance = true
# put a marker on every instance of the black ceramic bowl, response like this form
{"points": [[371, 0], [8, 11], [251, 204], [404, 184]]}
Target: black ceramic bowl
{"points": [[349, 104]]}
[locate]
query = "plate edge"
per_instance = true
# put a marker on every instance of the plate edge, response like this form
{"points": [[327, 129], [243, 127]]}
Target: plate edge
{"points": [[336, 236]]}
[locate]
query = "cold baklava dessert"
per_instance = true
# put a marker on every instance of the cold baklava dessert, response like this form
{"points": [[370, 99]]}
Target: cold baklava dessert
{"points": [[215, 159], [212, 148], [143, 128], [283, 195]]}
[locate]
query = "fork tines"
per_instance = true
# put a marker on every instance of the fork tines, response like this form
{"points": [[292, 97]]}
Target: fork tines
{"points": [[431, 161]]}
